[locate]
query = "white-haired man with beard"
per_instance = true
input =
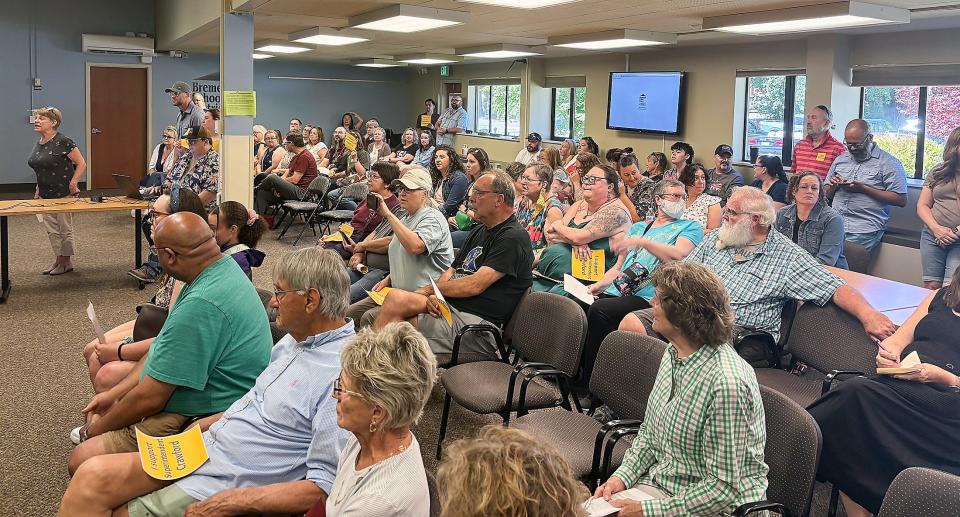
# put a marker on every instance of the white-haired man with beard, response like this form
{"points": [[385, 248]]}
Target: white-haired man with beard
{"points": [[762, 270]]}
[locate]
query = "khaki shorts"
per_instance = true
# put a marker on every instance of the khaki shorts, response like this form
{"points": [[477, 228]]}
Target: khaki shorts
{"points": [[440, 335], [166, 502], [125, 440]]}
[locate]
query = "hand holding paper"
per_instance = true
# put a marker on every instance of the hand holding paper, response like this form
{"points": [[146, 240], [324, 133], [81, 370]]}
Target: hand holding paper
{"points": [[909, 364], [174, 456], [442, 305]]}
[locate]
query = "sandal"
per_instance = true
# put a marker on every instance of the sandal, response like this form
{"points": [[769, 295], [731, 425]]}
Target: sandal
{"points": [[61, 269]]}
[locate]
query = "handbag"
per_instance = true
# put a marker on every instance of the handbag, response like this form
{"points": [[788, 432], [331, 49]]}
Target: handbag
{"points": [[150, 319]]}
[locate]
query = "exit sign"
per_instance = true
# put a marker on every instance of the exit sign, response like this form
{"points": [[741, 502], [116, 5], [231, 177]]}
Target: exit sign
{"points": [[444, 71]]}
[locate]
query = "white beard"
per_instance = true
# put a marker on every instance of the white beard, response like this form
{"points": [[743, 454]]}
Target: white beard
{"points": [[736, 235]]}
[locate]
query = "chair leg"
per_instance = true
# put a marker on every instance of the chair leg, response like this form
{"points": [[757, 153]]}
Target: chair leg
{"points": [[304, 229], [287, 227], [282, 212], [443, 424], [834, 497]]}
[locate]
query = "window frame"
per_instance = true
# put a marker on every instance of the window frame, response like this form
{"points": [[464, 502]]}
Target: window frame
{"points": [[921, 126], [489, 120], [789, 113], [571, 113]]}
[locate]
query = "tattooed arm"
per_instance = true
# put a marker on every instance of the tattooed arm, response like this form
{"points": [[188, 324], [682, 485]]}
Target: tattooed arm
{"points": [[609, 221]]}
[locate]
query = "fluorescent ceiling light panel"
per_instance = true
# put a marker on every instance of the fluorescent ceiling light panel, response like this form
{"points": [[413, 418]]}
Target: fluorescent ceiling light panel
{"points": [[378, 63], [279, 47], [428, 59], [261, 56], [808, 18], [500, 50], [326, 36], [620, 38], [407, 18], [521, 4]]}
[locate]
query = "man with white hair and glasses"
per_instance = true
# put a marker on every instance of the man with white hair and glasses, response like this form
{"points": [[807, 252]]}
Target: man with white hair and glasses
{"points": [[762, 270]]}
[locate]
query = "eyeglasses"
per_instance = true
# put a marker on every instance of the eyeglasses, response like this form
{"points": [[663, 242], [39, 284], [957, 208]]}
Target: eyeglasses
{"points": [[674, 197], [278, 294], [403, 189], [339, 390], [373, 176], [477, 192], [524, 179], [729, 212], [857, 145], [169, 137], [590, 180]]}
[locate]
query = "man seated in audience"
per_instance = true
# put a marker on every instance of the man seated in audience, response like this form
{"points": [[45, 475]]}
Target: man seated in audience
{"points": [[276, 449], [486, 280], [817, 151], [722, 179], [531, 152], [296, 125], [294, 182], [762, 269], [213, 345], [863, 183]]}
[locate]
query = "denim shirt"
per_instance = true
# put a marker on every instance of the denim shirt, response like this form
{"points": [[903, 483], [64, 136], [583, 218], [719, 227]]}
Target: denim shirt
{"points": [[821, 234]]}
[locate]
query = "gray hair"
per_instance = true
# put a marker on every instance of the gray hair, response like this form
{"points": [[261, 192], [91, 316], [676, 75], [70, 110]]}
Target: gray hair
{"points": [[756, 202], [320, 269], [662, 186], [392, 368], [257, 127], [503, 185], [544, 172]]}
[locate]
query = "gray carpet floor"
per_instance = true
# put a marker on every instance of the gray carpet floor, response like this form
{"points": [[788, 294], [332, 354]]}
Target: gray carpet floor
{"points": [[43, 327]]}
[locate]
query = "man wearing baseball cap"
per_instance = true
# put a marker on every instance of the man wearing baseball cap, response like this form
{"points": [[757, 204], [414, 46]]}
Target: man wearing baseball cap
{"points": [[530, 153], [722, 179], [190, 115]]}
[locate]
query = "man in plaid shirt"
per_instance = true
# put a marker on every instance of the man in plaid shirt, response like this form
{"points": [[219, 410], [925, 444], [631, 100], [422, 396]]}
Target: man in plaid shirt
{"points": [[763, 269]]}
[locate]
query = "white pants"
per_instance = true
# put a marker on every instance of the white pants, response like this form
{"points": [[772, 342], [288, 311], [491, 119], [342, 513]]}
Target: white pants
{"points": [[60, 231]]}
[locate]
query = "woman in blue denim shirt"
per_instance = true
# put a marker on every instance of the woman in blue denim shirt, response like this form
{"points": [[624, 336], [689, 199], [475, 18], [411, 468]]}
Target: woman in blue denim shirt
{"points": [[449, 181], [810, 222], [424, 155]]}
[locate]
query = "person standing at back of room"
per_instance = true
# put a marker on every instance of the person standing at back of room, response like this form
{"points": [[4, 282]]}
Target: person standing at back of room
{"points": [[452, 122], [189, 115], [818, 149]]}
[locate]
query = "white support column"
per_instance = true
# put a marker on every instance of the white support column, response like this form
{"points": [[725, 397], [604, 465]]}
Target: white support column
{"points": [[236, 74], [829, 77]]}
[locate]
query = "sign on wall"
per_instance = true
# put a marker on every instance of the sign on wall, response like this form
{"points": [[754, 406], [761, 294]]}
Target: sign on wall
{"points": [[210, 91]]}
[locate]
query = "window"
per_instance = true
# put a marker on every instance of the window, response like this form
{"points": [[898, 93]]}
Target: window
{"points": [[773, 115], [912, 122], [568, 113], [495, 109]]}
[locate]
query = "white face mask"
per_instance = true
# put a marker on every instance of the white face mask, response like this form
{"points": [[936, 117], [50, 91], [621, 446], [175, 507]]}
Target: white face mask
{"points": [[674, 209]]}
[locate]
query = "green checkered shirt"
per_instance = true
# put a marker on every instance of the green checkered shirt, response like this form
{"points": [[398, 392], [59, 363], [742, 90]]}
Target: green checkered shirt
{"points": [[761, 282], [703, 436]]}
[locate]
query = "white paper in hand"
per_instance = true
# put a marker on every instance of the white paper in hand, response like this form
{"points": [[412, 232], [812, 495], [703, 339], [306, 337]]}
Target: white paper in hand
{"points": [[599, 507], [577, 290], [92, 314]]}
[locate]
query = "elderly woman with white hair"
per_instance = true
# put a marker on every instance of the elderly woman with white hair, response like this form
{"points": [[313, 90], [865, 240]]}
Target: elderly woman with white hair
{"points": [[385, 381]]}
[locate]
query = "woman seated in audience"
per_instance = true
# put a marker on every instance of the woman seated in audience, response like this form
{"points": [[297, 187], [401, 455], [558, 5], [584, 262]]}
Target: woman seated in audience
{"points": [[769, 177], [108, 363], [476, 164], [238, 230], [378, 149], [420, 250], [585, 162], [272, 155], [449, 181], [681, 157], [550, 156], [372, 124], [876, 426], [424, 154], [613, 156], [706, 459], [385, 382], [211, 117], [164, 156], [701, 207], [539, 208], [626, 287], [656, 165], [515, 170], [568, 155], [407, 150], [588, 145], [316, 146], [587, 226], [562, 188], [811, 222], [365, 218], [937, 208], [637, 193], [352, 164], [350, 121], [506, 473], [258, 133]]}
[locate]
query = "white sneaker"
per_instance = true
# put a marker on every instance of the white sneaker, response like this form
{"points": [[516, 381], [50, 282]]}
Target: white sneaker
{"points": [[75, 435]]}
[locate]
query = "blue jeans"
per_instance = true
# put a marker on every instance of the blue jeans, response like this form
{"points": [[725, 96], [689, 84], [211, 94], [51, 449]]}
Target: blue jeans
{"points": [[939, 262], [869, 240], [360, 284]]}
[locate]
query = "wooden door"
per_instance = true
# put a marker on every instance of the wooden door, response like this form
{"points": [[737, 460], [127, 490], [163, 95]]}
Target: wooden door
{"points": [[118, 124]]}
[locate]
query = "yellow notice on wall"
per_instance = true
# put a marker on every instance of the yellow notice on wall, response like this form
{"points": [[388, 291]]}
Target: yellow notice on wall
{"points": [[590, 269], [240, 103], [174, 456]]}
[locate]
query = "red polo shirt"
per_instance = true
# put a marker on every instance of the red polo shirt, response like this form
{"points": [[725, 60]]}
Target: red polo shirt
{"points": [[818, 159]]}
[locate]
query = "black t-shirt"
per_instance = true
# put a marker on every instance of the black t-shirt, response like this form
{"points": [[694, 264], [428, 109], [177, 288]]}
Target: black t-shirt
{"points": [[403, 151], [54, 170], [507, 249]]}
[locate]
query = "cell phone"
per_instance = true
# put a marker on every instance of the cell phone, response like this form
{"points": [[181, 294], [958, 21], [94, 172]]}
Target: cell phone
{"points": [[373, 202]]}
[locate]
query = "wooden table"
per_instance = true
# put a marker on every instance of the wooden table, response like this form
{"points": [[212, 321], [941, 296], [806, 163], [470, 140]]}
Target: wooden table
{"points": [[895, 299], [59, 206]]}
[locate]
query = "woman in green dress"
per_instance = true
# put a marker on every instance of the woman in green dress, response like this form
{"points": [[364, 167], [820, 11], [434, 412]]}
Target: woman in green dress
{"points": [[588, 226]]}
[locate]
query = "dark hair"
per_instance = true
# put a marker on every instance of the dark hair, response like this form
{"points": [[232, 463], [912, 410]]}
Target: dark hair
{"points": [[610, 174], [586, 161], [214, 113], [295, 138], [794, 185], [951, 293], [355, 120], [387, 171], [825, 110], [319, 132], [774, 166], [950, 166], [685, 147], [420, 135], [515, 169], [455, 163], [431, 101], [187, 201], [592, 145], [660, 160], [628, 160], [614, 154], [298, 121], [232, 213], [689, 174], [481, 156]]}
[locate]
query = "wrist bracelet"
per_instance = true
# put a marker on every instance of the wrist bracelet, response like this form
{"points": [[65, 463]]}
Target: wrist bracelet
{"points": [[120, 351]]}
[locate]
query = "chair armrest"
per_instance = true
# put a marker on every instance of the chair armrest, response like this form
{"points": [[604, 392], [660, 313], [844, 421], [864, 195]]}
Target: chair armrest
{"points": [[599, 444], [611, 443], [529, 376], [758, 506], [828, 380], [477, 328]]}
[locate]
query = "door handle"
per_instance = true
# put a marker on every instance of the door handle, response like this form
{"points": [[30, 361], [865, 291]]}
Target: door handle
{"points": [[95, 131]]}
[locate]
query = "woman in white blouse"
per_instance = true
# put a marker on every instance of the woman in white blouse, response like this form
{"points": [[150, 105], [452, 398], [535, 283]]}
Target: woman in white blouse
{"points": [[379, 149], [702, 208], [385, 381], [166, 153], [316, 146]]}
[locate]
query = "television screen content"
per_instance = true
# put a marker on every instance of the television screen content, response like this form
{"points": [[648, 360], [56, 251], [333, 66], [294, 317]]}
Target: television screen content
{"points": [[648, 102]]}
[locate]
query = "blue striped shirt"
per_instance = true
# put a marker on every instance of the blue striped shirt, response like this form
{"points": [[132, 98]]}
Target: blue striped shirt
{"points": [[285, 428]]}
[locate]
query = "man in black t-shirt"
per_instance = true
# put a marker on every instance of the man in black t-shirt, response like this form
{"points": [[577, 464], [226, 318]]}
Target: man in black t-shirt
{"points": [[485, 282]]}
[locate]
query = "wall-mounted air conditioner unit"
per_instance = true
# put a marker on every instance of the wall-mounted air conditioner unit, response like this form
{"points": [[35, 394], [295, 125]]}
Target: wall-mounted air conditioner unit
{"points": [[118, 45]]}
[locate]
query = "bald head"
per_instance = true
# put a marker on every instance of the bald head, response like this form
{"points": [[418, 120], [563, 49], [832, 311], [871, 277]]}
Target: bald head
{"points": [[857, 127], [182, 231]]}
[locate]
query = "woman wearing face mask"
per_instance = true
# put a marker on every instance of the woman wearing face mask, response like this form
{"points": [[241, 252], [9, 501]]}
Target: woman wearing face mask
{"points": [[701, 207]]}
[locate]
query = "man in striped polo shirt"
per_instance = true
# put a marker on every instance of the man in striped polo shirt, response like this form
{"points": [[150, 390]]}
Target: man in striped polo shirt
{"points": [[817, 151]]}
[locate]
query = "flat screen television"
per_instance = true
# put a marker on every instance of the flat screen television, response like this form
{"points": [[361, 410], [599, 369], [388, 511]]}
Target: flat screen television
{"points": [[646, 102]]}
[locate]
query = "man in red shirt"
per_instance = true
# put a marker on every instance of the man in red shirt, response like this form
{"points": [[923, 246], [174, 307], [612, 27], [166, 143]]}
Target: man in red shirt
{"points": [[819, 149], [291, 184]]}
